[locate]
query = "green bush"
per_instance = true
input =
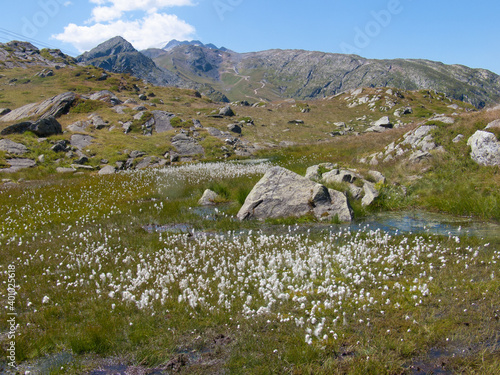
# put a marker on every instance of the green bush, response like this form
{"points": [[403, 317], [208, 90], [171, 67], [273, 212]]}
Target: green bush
{"points": [[87, 106]]}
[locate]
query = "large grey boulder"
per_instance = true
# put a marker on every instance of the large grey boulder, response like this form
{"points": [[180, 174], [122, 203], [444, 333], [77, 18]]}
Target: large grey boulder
{"points": [[485, 148], [43, 128], [187, 146], [55, 107], [12, 147], [282, 193]]}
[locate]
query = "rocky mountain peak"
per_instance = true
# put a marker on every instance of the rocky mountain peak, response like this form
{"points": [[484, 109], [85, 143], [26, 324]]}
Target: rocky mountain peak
{"points": [[175, 43], [111, 47]]}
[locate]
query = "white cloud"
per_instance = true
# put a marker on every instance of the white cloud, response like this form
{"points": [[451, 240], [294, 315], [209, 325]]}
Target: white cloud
{"points": [[113, 9], [153, 29]]}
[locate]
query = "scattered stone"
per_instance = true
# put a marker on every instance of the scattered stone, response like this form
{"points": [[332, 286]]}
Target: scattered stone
{"points": [[444, 119], [226, 111], [106, 96], [45, 73], [138, 116], [453, 106], [493, 125], [120, 109], [108, 169], [54, 107], [209, 198], [282, 193], [17, 164], [370, 194], [377, 176], [136, 154], [419, 156], [127, 127], [161, 121], [130, 101], [65, 170], [41, 158], [4, 111], [296, 122], [485, 148], [12, 147], [144, 163], [197, 124], [79, 126], [383, 122], [214, 132], [60, 146], [340, 175], [187, 146], [143, 97], [312, 173], [140, 108], [98, 122], [81, 141], [80, 166], [82, 160], [458, 138], [403, 111], [235, 128]]}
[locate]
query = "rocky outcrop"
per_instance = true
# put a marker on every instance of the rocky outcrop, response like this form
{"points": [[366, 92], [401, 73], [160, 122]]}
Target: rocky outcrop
{"points": [[282, 193], [416, 145], [54, 107], [44, 127], [485, 148], [12, 147]]}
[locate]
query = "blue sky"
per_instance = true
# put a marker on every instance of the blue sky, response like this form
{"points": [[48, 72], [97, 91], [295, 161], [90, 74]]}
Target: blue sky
{"points": [[454, 32]]}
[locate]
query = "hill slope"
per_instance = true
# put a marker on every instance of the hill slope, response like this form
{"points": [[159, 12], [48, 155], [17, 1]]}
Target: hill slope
{"points": [[298, 74]]}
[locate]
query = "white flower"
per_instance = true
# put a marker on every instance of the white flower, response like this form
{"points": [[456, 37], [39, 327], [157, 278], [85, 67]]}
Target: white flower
{"points": [[45, 299]]}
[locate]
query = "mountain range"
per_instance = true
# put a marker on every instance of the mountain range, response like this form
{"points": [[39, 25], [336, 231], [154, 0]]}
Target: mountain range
{"points": [[225, 75]]}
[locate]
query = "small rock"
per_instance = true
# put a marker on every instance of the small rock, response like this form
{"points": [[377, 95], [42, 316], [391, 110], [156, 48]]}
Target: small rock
{"points": [[108, 169], [493, 125], [377, 176], [136, 154], [235, 128], [383, 122], [209, 198], [65, 170], [458, 138], [226, 111], [143, 97], [60, 146], [82, 160], [370, 194], [4, 111]]}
